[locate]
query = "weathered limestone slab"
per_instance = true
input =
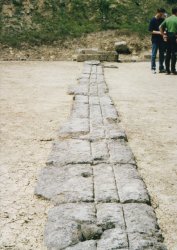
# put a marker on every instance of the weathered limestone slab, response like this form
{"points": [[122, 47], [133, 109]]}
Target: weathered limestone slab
{"points": [[120, 152], [105, 100], [93, 89], [102, 89], [130, 186], [61, 184], [80, 110], [94, 100], [92, 62], [94, 70], [100, 70], [81, 89], [96, 116], [61, 234], [81, 99], [114, 132], [140, 218], [86, 245], [99, 151], [145, 242], [104, 184], [70, 151], [110, 215], [64, 224], [109, 112], [75, 126], [112, 239]]}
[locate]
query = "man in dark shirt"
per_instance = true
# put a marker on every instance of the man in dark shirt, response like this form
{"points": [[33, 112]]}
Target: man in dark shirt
{"points": [[157, 40]]}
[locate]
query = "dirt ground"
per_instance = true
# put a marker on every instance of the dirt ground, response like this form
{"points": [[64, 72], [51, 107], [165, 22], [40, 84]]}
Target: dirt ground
{"points": [[147, 105], [34, 104]]}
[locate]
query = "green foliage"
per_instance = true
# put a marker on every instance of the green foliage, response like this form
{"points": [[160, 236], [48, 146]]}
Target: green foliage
{"points": [[59, 20]]}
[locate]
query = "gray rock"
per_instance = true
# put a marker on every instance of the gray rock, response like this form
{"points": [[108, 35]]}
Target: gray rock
{"points": [[93, 90], [112, 239], [91, 231], [120, 152], [81, 89], [81, 99], [63, 227], [105, 100], [110, 215], [109, 112], [94, 100], [145, 242], [122, 47], [61, 184], [140, 218], [104, 184], [75, 126], [86, 245], [59, 235], [99, 151], [130, 186], [70, 151], [114, 131], [80, 110]]}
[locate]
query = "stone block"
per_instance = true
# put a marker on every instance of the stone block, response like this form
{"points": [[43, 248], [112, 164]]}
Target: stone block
{"points": [[75, 126], [104, 184], [110, 215], [105, 100], [140, 218], [81, 89], [120, 152], [114, 131], [145, 242], [62, 185], [63, 227], [109, 112], [93, 91], [94, 100], [112, 239], [86, 245], [81, 99], [70, 151], [99, 151], [122, 47], [102, 89], [80, 110], [130, 186]]}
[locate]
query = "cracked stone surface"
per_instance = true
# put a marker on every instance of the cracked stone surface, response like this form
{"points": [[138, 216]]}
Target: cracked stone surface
{"points": [[100, 201]]}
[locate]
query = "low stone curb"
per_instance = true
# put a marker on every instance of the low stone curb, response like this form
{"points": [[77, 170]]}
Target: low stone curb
{"points": [[100, 201]]}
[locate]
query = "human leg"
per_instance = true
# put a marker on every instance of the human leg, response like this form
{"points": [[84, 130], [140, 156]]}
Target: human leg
{"points": [[173, 56], [168, 57], [153, 57], [161, 56]]}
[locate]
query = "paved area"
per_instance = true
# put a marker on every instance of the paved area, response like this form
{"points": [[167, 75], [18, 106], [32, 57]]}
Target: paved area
{"points": [[100, 201]]}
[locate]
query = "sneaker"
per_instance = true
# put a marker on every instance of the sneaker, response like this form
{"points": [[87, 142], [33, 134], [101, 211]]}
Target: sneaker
{"points": [[174, 72], [154, 71], [168, 72], [162, 71]]}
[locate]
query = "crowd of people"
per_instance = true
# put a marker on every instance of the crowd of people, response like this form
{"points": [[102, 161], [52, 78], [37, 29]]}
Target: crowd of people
{"points": [[164, 40]]}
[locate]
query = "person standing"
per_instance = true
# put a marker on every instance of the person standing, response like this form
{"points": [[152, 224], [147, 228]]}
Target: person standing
{"points": [[170, 25], [157, 40]]}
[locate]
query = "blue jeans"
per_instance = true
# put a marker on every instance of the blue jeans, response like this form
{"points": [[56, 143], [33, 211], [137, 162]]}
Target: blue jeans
{"points": [[155, 47]]}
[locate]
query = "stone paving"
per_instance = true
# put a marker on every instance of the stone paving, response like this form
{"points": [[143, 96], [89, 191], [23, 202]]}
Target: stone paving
{"points": [[100, 201]]}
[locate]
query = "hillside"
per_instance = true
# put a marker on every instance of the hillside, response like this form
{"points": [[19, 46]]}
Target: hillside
{"points": [[37, 22]]}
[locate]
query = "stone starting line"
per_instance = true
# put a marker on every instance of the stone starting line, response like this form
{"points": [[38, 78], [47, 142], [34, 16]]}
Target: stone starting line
{"points": [[91, 178]]}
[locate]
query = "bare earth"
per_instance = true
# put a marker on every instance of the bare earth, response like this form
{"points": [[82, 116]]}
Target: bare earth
{"points": [[34, 104]]}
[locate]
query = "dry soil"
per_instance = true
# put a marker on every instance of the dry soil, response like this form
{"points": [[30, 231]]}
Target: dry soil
{"points": [[34, 104]]}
